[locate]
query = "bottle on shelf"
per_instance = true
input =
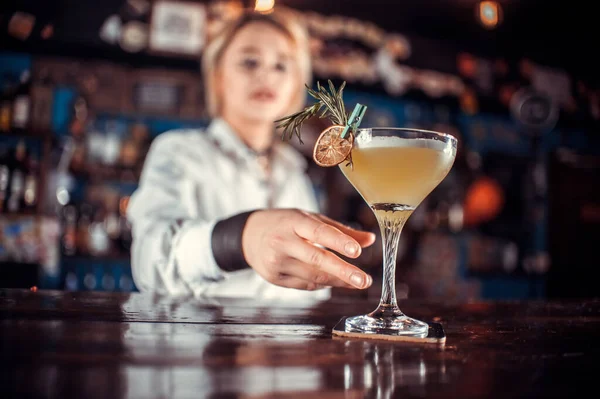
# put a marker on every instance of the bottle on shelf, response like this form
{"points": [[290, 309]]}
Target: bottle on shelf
{"points": [[98, 240], [31, 189], [111, 216], [6, 103], [113, 142], [21, 109], [18, 171], [4, 177], [69, 236], [128, 160], [42, 100], [125, 237], [86, 214]]}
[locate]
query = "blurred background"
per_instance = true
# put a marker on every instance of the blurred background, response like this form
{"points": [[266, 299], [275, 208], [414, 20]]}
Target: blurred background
{"points": [[85, 86]]}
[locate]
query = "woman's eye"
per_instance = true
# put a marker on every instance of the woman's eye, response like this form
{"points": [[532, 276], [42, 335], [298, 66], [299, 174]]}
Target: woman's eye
{"points": [[281, 67], [249, 63]]}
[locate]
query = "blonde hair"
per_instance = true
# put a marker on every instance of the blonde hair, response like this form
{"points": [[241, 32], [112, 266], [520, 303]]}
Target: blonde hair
{"points": [[217, 45]]}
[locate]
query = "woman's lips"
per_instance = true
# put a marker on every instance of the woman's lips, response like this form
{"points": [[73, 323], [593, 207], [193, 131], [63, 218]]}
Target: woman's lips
{"points": [[263, 95]]}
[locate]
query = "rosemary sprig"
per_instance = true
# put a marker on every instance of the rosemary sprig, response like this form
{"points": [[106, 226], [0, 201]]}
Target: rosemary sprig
{"points": [[329, 104], [291, 124], [332, 102]]}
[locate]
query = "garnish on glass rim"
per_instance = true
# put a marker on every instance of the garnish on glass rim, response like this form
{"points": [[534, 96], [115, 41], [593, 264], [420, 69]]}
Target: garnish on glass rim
{"points": [[334, 144]]}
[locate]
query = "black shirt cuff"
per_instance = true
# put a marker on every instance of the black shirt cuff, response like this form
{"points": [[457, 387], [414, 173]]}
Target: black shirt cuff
{"points": [[226, 242]]}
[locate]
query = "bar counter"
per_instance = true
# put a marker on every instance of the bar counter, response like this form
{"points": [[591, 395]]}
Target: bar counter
{"points": [[108, 345]]}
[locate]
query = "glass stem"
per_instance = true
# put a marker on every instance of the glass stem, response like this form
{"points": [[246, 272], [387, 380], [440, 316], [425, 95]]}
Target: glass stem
{"points": [[391, 225]]}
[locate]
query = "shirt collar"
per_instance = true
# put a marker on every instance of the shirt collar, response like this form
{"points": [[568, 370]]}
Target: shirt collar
{"points": [[230, 143]]}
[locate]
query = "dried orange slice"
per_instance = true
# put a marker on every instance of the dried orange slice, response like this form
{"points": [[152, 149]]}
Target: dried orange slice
{"points": [[331, 149]]}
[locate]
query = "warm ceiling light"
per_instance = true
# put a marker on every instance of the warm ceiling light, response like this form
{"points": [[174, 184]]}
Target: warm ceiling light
{"points": [[489, 14], [264, 6]]}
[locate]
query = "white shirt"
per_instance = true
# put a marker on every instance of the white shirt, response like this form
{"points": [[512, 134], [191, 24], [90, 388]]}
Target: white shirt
{"points": [[192, 179]]}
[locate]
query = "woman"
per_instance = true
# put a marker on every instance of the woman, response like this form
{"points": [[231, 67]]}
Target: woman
{"points": [[228, 211]]}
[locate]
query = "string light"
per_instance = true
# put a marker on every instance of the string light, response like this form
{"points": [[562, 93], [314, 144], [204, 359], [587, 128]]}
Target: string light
{"points": [[489, 14], [264, 6]]}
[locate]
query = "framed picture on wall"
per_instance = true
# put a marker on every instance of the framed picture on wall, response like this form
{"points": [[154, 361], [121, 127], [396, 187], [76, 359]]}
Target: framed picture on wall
{"points": [[167, 93], [177, 28]]}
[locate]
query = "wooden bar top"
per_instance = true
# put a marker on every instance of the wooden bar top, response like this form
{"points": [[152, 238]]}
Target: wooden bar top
{"points": [[106, 345]]}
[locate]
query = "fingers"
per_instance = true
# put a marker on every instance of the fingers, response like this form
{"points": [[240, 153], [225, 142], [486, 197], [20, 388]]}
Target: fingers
{"points": [[364, 238], [310, 274], [327, 262], [312, 229], [291, 249]]}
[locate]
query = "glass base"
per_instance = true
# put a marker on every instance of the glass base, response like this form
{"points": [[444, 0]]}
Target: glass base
{"points": [[387, 322]]}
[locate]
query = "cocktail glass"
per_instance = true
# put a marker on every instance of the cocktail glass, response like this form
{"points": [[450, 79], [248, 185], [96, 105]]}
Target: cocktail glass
{"points": [[394, 170]]}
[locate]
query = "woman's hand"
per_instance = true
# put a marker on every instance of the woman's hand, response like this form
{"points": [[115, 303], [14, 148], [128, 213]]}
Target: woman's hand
{"points": [[280, 246]]}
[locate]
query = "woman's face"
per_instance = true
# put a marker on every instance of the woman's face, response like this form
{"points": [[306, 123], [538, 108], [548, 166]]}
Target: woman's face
{"points": [[257, 77]]}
